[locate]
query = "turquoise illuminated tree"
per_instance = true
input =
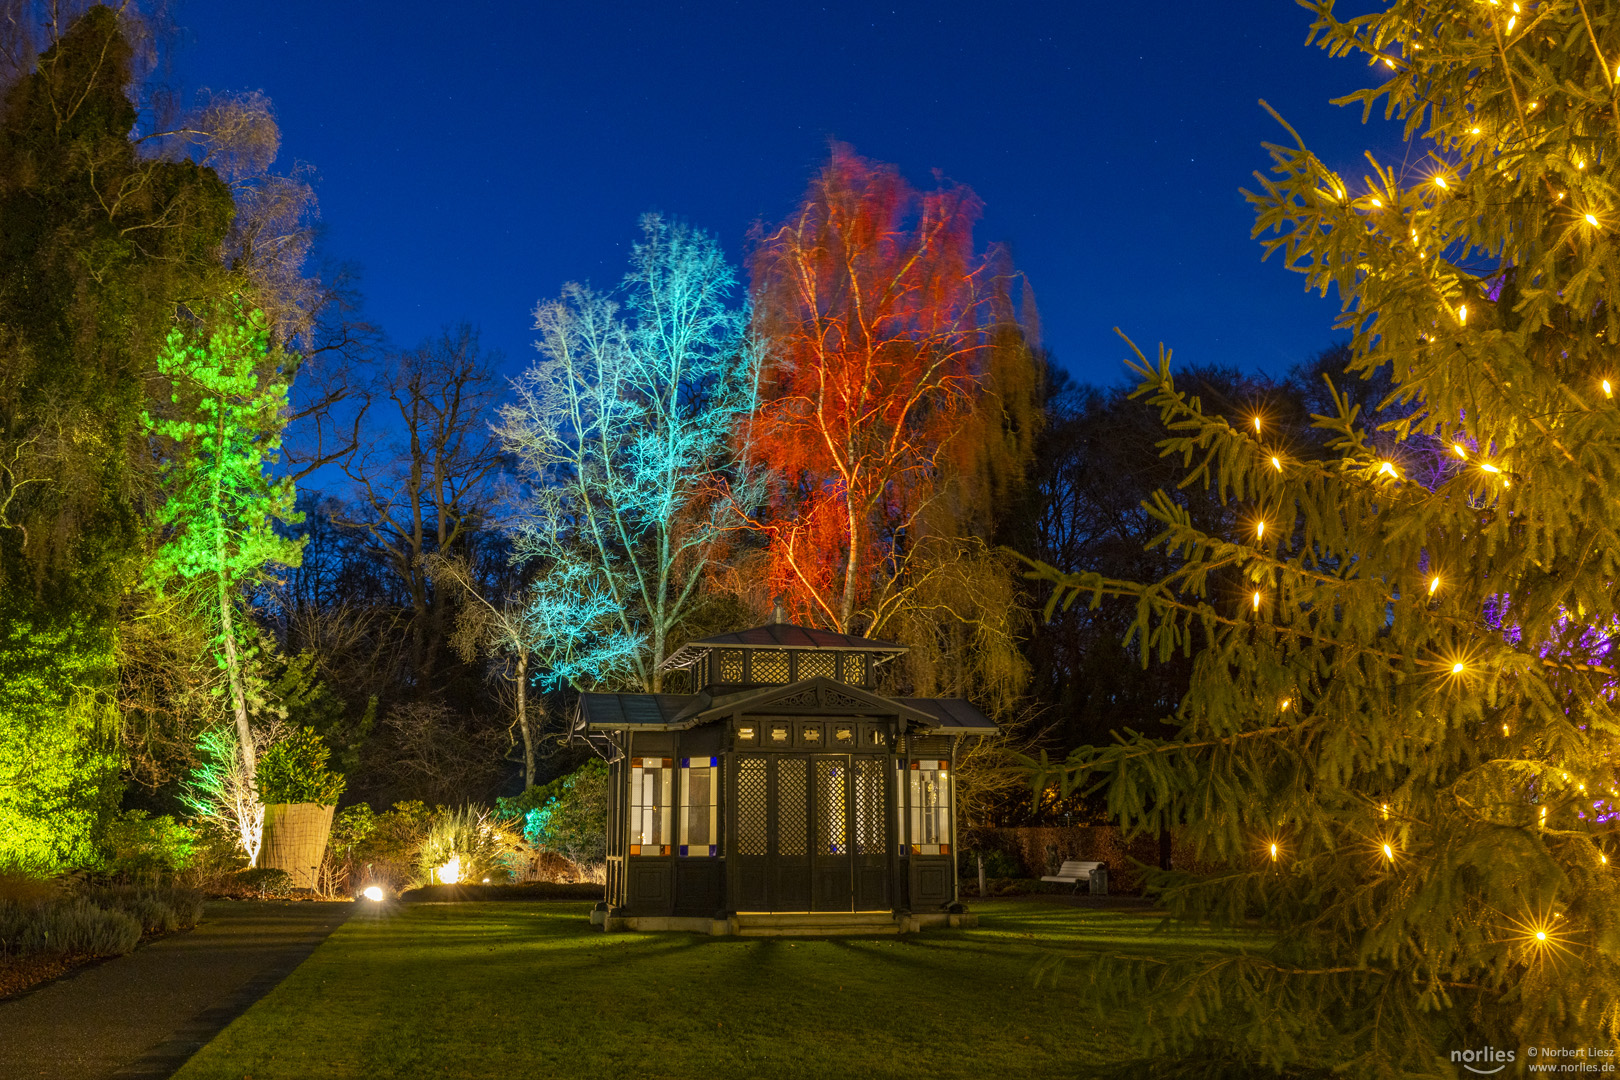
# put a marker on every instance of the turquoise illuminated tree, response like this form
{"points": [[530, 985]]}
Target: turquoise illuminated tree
{"points": [[221, 502], [620, 430], [1400, 738]]}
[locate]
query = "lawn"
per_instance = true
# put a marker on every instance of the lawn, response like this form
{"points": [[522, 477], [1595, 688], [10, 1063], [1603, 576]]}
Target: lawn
{"points": [[527, 989]]}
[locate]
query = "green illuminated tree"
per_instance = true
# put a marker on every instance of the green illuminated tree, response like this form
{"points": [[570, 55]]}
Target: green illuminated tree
{"points": [[1400, 738], [220, 502]]}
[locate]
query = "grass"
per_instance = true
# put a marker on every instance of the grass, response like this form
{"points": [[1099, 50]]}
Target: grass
{"points": [[532, 990]]}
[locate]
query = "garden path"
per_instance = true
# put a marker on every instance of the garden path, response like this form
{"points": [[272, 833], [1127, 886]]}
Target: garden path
{"points": [[139, 1017]]}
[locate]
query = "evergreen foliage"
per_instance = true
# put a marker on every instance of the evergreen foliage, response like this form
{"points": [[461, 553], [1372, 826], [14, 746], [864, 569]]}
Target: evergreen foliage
{"points": [[294, 770], [1399, 736], [97, 245]]}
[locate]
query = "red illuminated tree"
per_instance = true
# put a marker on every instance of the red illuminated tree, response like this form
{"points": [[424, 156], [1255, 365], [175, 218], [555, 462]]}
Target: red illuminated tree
{"points": [[884, 328]]}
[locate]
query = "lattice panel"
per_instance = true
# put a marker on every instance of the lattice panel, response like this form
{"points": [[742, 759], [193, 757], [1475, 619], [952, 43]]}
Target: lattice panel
{"points": [[871, 838], [792, 805], [855, 668], [769, 666], [812, 664], [832, 776], [731, 665], [751, 806]]}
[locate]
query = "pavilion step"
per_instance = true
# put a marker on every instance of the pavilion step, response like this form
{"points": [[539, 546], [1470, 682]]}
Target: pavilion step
{"points": [[814, 923]]}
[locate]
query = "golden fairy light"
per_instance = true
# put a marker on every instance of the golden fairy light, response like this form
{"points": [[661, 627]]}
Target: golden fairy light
{"points": [[1260, 530], [1434, 583], [1608, 391], [1389, 852], [1504, 729], [1591, 219], [1257, 600], [1462, 314], [1276, 464], [1539, 935], [1257, 424], [1386, 467], [1284, 705], [1273, 852], [1458, 447], [1440, 182], [1489, 469]]}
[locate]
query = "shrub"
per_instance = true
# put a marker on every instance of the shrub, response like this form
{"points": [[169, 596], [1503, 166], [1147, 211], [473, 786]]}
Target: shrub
{"points": [[68, 926], [159, 910], [569, 816], [25, 888], [471, 840], [294, 770], [265, 881], [381, 848], [138, 844]]}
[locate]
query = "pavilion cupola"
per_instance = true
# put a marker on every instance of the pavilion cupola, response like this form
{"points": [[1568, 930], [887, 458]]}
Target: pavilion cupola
{"points": [[780, 653]]}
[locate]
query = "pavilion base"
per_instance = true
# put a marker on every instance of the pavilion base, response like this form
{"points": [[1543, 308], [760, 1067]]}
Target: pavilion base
{"points": [[792, 924]]}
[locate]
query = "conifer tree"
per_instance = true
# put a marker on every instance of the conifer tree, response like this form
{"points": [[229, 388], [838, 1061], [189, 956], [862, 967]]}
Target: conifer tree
{"points": [[221, 504], [1400, 737]]}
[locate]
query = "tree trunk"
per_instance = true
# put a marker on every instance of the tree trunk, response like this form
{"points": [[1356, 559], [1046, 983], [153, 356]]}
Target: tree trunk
{"points": [[523, 717]]}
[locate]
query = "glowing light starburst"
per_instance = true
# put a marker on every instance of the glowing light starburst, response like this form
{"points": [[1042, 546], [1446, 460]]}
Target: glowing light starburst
{"points": [[1541, 935]]}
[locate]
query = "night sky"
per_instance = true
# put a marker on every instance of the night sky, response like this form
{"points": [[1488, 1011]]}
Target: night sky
{"points": [[472, 157]]}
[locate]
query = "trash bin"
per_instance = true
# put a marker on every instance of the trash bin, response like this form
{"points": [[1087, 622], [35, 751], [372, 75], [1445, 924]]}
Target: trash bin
{"points": [[1099, 881]]}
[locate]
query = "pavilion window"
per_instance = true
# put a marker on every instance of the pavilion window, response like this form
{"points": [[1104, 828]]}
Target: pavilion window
{"points": [[700, 806], [651, 780], [855, 668], [768, 666], [731, 666], [812, 664], [930, 808]]}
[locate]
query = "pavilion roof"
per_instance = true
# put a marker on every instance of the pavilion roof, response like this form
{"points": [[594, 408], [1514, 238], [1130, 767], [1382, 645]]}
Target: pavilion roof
{"points": [[780, 636]]}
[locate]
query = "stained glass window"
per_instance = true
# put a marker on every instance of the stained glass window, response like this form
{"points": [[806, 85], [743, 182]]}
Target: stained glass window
{"points": [[930, 808], [700, 806], [731, 665], [650, 803], [855, 668]]}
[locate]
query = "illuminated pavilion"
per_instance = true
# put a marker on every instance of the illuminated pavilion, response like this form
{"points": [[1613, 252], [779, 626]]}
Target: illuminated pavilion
{"points": [[785, 796]]}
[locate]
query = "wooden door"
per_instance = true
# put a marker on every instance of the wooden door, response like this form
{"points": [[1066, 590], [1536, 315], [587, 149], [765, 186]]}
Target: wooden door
{"points": [[790, 835], [869, 830], [832, 851]]}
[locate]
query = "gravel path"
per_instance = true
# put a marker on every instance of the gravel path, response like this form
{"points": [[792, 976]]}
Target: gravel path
{"points": [[139, 1017]]}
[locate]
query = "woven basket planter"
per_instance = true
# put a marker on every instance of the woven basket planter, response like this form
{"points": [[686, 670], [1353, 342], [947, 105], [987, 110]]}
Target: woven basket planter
{"points": [[295, 840]]}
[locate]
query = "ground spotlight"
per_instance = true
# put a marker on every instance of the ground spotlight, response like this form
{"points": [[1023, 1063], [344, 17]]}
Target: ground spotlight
{"points": [[374, 892]]}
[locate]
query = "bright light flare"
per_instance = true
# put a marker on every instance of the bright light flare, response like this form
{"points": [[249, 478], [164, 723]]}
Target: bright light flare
{"points": [[1591, 219], [1434, 584], [1458, 447], [1260, 530], [1608, 390], [450, 872], [1457, 668], [1389, 853], [1489, 468], [1386, 467], [1256, 600], [1273, 852], [1257, 424], [1540, 936], [1276, 464], [1462, 314], [374, 893]]}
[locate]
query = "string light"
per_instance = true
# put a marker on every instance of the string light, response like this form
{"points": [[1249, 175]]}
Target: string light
{"points": [[1604, 857], [1257, 600], [1608, 391], [1388, 62], [1378, 204], [1440, 182], [1591, 219], [1460, 451], [1284, 706], [1384, 810], [1389, 853], [1275, 464], [1457, 668], [1489, 468], [1257, 425], [1434, 583], [1475, 131], [1273, 852], [1462, 314], [1386, 467], [1260, 530], [1504, 729]]}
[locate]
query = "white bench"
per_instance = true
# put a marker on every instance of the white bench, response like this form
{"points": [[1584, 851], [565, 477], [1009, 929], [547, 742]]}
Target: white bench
{"points": [[1073, 872]]}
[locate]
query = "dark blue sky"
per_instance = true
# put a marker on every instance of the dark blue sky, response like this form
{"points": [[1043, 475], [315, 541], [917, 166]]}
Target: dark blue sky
{"points": [[472, 157]]}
